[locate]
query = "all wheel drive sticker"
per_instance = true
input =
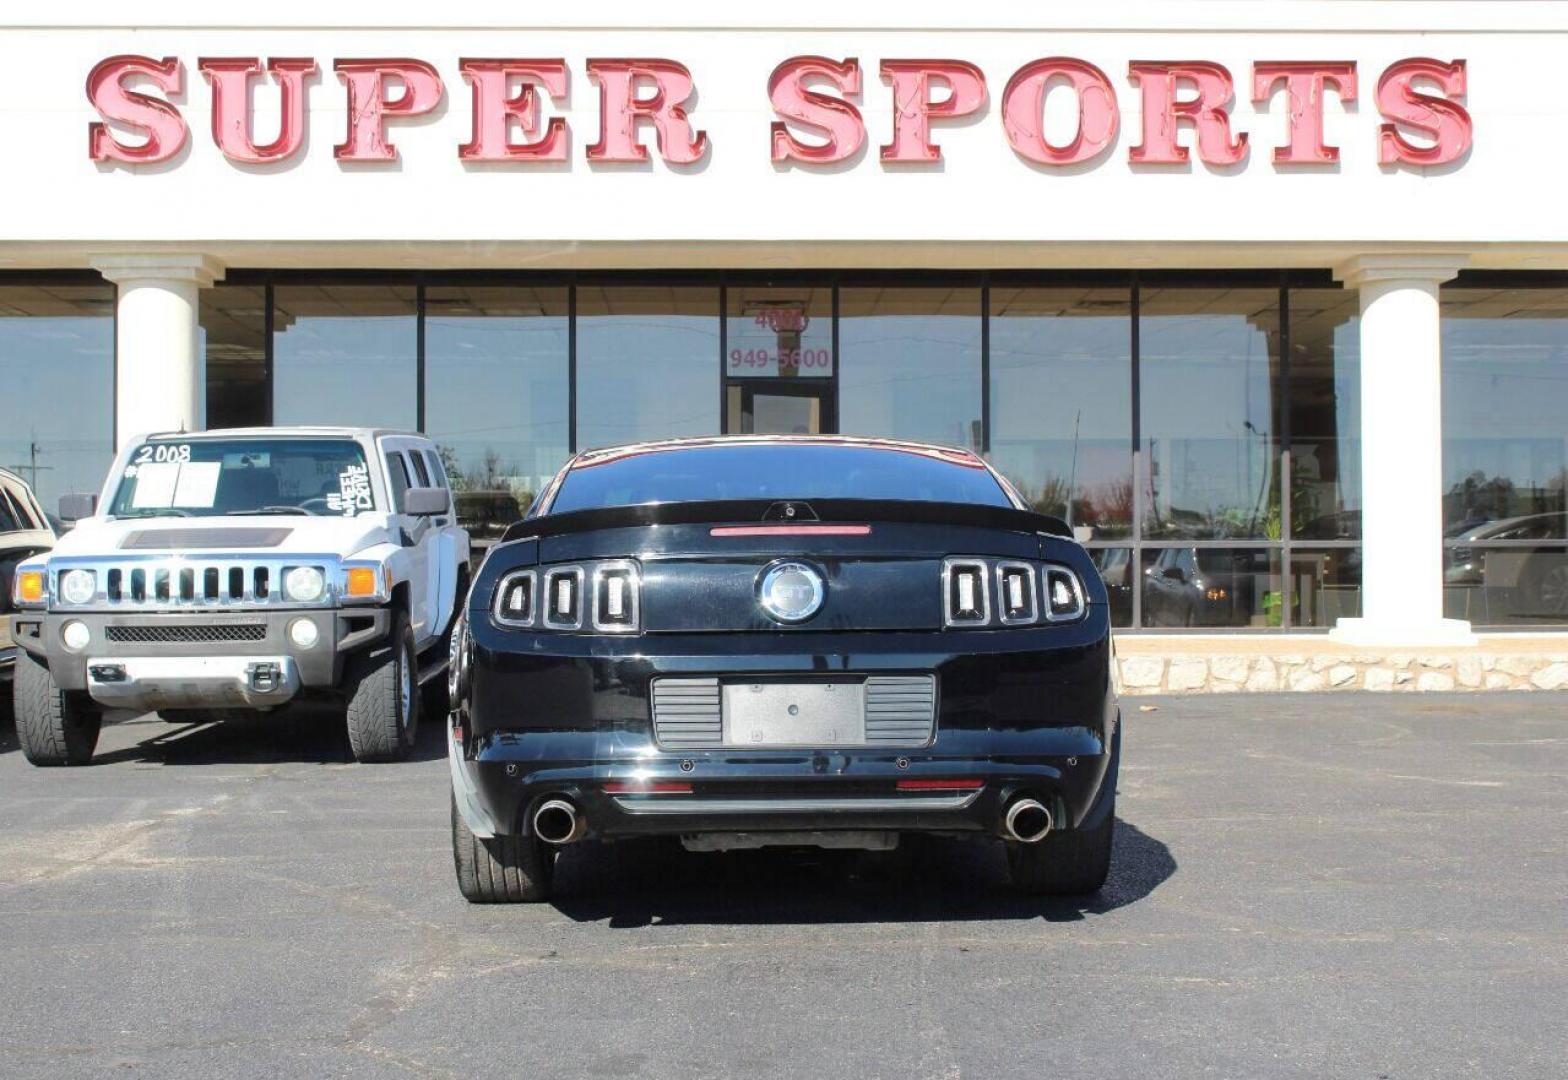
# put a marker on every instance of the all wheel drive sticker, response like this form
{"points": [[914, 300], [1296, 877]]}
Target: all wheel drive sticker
{"points": [[353, 494], [817, 102]]}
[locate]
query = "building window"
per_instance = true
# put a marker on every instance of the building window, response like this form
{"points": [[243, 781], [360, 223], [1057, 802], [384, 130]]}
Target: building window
{"points": [[778, 359], [233, 322], [1061, 403], [346, 355], [1324, 403], [1505, 455], [778, 332], [1325, 414], [1210, 401], [497, 392], [57, 407], [647, 363], [909, 364], [1325, 585]]}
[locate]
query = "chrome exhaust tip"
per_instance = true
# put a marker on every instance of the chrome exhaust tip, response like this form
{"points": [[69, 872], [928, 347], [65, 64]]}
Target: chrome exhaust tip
{"points": [[1027, 821], [558, 822]]}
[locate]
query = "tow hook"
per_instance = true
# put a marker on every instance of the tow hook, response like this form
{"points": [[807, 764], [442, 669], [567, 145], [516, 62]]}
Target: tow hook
{"points": [[264, 678]]}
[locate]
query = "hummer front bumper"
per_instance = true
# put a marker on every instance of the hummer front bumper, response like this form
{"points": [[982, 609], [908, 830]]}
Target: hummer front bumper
{"points": [[171, 682], [199, 659]]}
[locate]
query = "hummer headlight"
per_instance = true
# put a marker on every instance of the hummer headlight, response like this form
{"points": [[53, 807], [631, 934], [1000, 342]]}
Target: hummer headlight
{"points": [[302, 584], [78, 586]]}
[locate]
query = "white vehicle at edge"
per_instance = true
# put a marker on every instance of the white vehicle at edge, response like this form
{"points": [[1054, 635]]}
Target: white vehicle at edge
{"points": [[240, 570]]}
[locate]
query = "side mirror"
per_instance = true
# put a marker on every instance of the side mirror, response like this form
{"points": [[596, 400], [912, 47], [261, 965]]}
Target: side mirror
{"points": [[75, 507], [425, 501]]}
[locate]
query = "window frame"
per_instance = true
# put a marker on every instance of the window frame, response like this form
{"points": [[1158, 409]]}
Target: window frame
{"points": [[836, 280], [397, 469]]}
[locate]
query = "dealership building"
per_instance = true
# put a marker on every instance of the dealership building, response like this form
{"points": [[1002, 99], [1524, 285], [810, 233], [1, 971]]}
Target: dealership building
{"points": [[1269, 302]]}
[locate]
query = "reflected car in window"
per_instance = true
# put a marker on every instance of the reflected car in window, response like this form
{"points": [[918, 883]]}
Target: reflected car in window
{"points": [[1116, 570], [1529, 582], [1205, 587], [487, 514]]}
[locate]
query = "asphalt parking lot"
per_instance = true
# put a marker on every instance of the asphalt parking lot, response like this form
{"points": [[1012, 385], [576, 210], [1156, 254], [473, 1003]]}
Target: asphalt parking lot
{"points": [[1313, 886]]}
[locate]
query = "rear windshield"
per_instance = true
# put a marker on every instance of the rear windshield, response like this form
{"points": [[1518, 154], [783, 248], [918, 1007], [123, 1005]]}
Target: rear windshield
{"points": [[778, 471], [214, 477]]}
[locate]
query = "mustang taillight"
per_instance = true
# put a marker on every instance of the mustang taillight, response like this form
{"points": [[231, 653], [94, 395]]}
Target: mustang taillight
{"points": [[1064, 594], [968, 599], [1015, 592], [563, 598], [615, 597], [602, 595], [514, 599], [968, 585]]}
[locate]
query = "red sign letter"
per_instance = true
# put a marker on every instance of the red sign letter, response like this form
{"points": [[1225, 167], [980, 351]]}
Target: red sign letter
{"points": [[231, 113], [1305, 82], [620, 108], [1162, 112], [495, 109], [913, 109], [1023, 111], [161, 121], [1443, 120], [834, 118], [368, 106]]}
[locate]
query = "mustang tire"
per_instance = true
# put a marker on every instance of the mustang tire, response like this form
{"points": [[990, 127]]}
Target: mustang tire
{"points": [[503, 870], [1068, 862], [53, 726], [383, 703]]}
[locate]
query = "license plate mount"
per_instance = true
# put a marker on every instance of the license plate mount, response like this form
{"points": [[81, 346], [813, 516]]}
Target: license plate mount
{"points": [[815, 713]]}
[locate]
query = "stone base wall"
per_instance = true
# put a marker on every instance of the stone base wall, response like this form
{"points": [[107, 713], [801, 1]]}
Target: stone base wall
{"points": [[1212, 665]]}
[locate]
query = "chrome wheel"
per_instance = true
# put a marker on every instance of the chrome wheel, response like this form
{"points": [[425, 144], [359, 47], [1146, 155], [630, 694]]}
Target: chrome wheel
{"points": [[405, 693]]}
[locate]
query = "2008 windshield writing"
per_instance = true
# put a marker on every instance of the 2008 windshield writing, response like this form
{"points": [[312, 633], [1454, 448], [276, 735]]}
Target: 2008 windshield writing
{"points": [[219, 477]]}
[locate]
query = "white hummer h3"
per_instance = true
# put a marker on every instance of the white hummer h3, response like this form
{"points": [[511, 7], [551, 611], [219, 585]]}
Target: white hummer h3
{"points": [[240, 570]]}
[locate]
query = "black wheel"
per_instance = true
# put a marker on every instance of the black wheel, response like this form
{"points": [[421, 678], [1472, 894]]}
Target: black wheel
{"points": [[383, 697], [502, 870], [1068, 862], [55, 727]]}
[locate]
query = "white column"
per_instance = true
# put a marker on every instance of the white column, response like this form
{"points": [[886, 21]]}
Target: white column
{"points": [[160, 373], [1401, 452]]}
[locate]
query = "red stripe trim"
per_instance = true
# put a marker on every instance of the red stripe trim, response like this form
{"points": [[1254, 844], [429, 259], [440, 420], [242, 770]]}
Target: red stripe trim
{"points": [[939, 785], [790, 530], [647, 787]]}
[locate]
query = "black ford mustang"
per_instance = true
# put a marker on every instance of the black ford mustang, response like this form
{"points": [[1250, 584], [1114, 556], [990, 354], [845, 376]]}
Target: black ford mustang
{"points": [[782, 641]]}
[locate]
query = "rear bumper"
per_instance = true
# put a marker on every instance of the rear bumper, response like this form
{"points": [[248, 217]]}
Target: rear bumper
{"points": [[796, 791], [1020, 712]]}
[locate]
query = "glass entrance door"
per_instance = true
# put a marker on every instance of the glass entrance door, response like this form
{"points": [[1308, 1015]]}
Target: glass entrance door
{"points": [[779, 407]]}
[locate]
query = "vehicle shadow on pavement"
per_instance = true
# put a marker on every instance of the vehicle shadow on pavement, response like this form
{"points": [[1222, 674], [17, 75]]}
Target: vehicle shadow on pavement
{"points": [[8, 741], [649, 882], [296, 734]]}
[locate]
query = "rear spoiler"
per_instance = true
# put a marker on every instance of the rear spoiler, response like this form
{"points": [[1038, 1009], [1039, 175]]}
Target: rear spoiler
{"points": [[750, 511]]}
